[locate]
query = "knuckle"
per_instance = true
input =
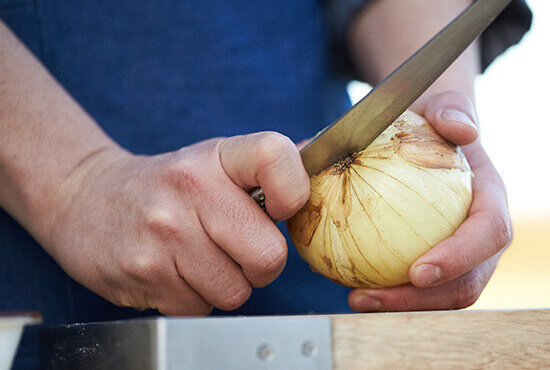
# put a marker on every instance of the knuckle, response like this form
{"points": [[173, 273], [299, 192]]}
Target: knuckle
{"points": [[162, 221], [142, 267], [273, 148], [468, 291], [182, 174]]}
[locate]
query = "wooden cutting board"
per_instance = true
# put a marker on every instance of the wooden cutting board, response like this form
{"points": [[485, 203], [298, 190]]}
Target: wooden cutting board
{"points": [[443, 339]]}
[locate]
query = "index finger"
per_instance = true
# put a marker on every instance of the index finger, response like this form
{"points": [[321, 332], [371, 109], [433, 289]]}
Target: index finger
{"points": [[272, 161], [233, 220]]}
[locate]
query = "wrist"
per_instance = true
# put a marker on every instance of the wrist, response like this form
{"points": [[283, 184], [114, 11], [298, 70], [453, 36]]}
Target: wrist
{"points": [[47, 204]]}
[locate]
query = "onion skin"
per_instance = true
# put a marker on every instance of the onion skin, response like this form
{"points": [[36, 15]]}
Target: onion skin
{"points": [[370, 216]]}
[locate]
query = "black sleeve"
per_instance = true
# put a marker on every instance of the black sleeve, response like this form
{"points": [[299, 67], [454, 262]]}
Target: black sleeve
{"points": [[505, 31]]}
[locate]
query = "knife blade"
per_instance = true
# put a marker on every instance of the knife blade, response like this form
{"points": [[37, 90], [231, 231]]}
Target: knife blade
{"points": [[366, 120]]}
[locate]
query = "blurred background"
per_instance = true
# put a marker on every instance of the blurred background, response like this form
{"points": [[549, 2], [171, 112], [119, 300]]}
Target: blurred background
{"points": [[513, 98], [513, 101]]}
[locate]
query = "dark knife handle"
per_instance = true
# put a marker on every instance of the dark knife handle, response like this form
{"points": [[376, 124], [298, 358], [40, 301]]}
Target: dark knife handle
{"points": [[258, 195]]}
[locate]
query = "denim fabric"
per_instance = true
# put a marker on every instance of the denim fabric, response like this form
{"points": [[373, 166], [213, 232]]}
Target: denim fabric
{"points": [[161, 74], [158, 75]]}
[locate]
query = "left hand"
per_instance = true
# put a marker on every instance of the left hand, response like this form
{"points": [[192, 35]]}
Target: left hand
{"points": [[453, 273]]}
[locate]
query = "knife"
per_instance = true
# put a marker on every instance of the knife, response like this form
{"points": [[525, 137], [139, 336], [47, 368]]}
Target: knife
{"points": [[366, 120]]}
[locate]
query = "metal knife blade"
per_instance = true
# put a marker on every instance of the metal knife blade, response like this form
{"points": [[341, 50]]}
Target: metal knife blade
{"points": [[367, 119]]}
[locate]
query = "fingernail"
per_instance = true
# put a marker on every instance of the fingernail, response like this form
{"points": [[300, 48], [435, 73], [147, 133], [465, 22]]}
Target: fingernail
{"points": [[365, 302], [455, 115], [426, 274]]}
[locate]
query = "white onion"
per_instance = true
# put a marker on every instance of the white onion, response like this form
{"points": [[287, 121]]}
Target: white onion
{"points": [[370, 216]]}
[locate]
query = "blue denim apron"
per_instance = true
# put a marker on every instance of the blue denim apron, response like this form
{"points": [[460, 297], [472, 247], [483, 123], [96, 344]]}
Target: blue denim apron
{"points": [[158, 75]]}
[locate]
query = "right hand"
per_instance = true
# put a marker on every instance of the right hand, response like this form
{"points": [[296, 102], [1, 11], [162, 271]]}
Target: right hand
{"points": [[178, 231]]}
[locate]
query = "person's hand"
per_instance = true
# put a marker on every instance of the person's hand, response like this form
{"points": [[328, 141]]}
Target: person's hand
{"points": [[179, 232], [453, 273]]}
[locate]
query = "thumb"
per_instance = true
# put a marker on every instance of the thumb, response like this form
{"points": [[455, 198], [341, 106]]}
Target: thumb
{"points": [[269, 160], [452, 114]]}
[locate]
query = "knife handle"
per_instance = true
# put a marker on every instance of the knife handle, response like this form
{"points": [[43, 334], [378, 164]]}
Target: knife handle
{"points": [[258, 195]]}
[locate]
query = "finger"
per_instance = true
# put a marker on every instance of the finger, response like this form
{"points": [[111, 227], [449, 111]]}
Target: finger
{"points": [[148, 284], [459, 293], [177, 298], [227, 213], [235, 223], [453, 116], [271, 161], [213, 274], [486, 231], [199, 261]]}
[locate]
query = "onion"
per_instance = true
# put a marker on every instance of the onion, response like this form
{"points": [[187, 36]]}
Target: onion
{"points": [[371, 215]]}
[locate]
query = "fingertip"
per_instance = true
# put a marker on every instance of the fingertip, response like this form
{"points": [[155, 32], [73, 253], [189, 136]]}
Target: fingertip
{"points": [[453, 116], [425, 275], [458, 117], [362, 301], [454, 125], [272, 161], [282, 176]]}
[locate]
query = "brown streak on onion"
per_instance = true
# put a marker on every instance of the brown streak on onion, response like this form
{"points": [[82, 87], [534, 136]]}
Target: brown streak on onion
{"points": [[305, 230], [423, 146]]}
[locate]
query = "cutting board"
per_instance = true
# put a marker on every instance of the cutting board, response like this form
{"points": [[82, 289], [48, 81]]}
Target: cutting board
{"points": [[441, 339]]}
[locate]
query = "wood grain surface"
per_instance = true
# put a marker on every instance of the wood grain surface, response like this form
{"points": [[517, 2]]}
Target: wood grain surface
{"points": [[444, 339]]}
